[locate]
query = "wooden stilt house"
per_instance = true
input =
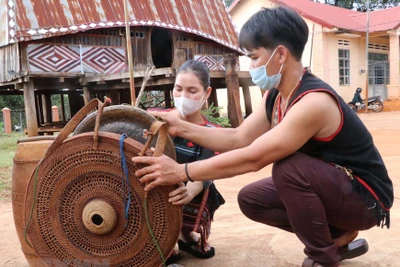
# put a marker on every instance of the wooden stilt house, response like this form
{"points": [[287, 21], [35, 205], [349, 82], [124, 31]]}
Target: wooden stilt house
{"points": [[76, 49]]}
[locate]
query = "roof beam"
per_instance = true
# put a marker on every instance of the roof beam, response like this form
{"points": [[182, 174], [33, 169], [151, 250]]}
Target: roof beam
{"points": [[375, 34], [119, 76]]}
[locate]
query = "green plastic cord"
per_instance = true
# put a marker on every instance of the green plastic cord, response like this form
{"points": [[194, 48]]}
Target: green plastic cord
{"points": [[33, 204], [152, 234], [33, 207]]}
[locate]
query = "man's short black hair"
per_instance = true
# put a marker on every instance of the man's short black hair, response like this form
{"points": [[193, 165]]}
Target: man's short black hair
{"points": [[271, 27]]}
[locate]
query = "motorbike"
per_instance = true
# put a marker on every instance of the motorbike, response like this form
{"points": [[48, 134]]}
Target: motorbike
{"points": [[375, 104]]}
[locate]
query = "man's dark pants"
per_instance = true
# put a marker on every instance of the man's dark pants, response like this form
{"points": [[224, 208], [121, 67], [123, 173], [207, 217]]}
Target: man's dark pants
{"points": [[310, 198]]}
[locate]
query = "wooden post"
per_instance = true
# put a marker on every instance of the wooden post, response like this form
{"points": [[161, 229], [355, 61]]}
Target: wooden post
{"points": [[41, 109], [37, 108], [30, 110], [213, 99], [47, 100], [312, 45], [167, 97], [114, 95], [7, 120], [63, 108], [367, 59], [247, 100], [73, 97], [86, 94], [44, 102], [232, 83], [129, 53]]}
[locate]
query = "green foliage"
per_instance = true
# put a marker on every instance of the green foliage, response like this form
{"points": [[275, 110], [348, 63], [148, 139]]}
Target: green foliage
{"points": [[212, 114], [151, 99], [8, 145], [12, 102], [16, 104], [228, 2], [56, 101], [361, 5]]}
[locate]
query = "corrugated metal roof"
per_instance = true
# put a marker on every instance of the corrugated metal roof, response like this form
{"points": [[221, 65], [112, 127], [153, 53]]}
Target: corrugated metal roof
{"points": [[36, 19], [380, 20], [325, 15], [6, 22], [332, 16], [3, 26]]}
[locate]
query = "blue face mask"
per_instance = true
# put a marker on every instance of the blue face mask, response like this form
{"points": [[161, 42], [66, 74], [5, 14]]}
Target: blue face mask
{"points": [[261, 79]]}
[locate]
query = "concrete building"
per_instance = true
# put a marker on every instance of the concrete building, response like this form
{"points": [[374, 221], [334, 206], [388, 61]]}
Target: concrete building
{"points": [[336, 48]]}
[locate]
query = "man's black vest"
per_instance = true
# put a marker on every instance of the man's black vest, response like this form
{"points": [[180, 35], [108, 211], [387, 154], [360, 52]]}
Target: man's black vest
{"points": [[351, 147]]}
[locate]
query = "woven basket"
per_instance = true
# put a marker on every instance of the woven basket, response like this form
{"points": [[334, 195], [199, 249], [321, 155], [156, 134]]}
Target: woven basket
{"points": [[75, 213]]}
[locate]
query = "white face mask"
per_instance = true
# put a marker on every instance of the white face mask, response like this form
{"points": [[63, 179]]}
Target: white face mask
{"points": [[261, 79], [187, 106]]}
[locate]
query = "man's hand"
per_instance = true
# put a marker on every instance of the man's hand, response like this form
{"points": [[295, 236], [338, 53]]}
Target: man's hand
{"points": [[171, 118], [160, 171], [180, 196]]}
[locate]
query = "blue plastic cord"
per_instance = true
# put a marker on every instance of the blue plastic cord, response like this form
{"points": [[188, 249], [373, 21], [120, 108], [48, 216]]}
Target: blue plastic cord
{"points": [[127, 200], [125, 176]]}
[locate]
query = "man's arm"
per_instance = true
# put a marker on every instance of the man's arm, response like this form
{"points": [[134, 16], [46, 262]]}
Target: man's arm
{"points": [[315, 115], [310, 117], [220, 139]]}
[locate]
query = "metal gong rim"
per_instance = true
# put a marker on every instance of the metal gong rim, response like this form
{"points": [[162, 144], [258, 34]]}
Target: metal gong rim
{"points": [[122, 119], [68, 182]]}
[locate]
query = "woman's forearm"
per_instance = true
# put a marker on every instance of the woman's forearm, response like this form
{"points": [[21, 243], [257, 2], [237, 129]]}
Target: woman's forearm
{"points": [[194, 188]]}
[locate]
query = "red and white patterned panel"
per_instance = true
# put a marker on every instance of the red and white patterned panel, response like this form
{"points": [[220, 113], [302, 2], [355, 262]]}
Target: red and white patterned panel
{"points": [[52, 58], [72, 58], [214, 62], [103, 60]]}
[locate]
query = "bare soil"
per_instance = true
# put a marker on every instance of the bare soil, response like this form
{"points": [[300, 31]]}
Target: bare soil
{"points": [[241, 242], [391, 105]]}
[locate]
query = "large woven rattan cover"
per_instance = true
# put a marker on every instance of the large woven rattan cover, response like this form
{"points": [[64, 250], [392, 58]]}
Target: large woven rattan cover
{"points": [[77, 173]]}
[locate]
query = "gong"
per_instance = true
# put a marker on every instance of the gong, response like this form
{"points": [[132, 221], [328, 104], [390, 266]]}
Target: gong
{"points": [[82, 210], [122, 119]]}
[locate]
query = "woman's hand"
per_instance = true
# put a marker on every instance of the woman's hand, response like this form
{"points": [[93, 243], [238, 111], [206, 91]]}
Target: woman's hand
{"points": [[160, 171], [171, 118], [180, 196]]}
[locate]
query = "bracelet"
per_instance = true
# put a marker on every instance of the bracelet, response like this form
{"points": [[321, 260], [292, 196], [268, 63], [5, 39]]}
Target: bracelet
{"points": [[187, 174]]}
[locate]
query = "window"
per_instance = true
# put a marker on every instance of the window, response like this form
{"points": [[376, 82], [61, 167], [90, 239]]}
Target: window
{"points": [[344, 67], [343, 42], [137, 35], [378, 68], [382, 47], [378, 57], [182, 38]]}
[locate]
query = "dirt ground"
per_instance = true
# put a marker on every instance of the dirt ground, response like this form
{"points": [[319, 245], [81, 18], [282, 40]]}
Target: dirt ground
{"points": [[391, 105], [241, 242]]}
